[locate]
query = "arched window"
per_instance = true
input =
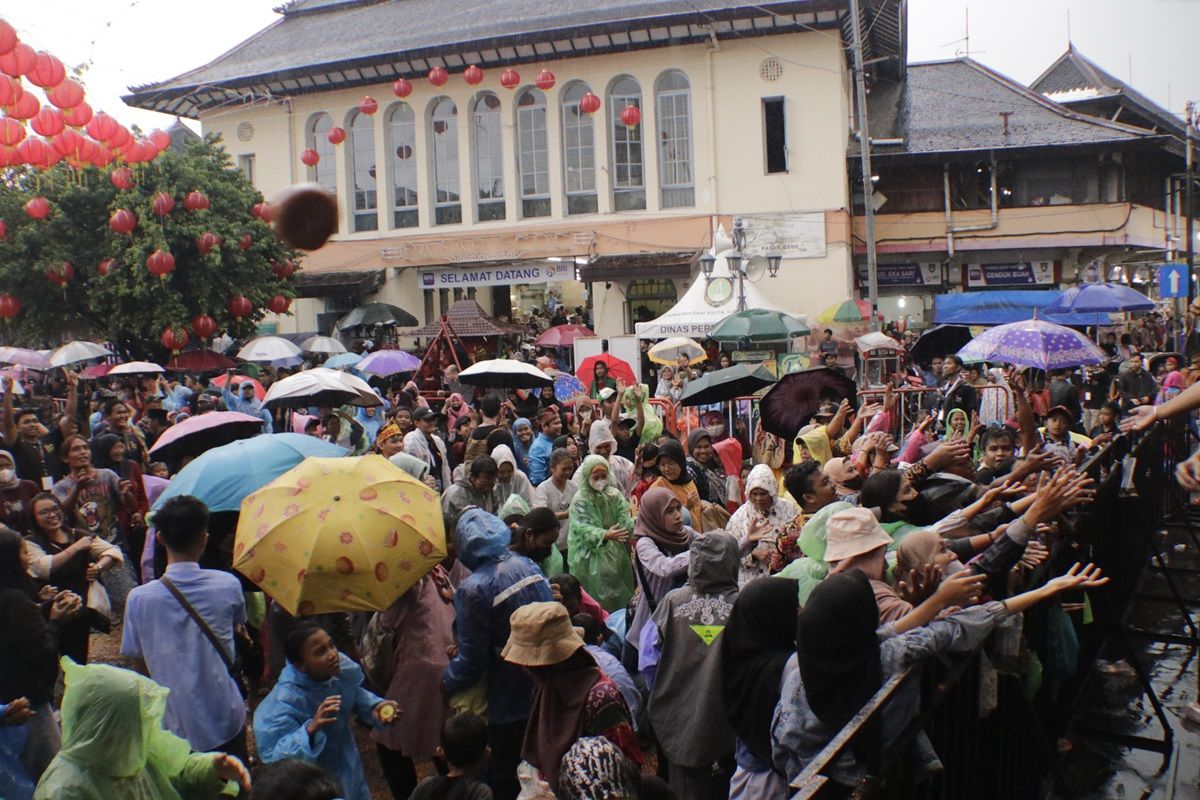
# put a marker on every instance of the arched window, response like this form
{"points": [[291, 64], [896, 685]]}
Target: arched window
{"points": [[316, 137], [362, 172], [579, 153], [443, 135], [489, 158], [402, 149], [673, 103], [628, 183], [533, 155]]}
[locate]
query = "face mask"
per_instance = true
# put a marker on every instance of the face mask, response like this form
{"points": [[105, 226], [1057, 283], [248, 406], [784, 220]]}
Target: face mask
{"points": [[598, 483], [952, 568], [6, 475]]}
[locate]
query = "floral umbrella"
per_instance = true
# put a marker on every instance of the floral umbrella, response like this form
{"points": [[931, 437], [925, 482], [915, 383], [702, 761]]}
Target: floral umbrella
{"points": [[846, 311], [1033, 343]]}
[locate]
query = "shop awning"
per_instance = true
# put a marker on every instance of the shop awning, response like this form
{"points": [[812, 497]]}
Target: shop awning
{"points": [[632, 266], [324, 284], [1002, 307]]}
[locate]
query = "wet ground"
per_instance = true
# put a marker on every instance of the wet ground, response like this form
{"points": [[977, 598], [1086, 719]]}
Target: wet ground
{"points": [[1099, 766]]}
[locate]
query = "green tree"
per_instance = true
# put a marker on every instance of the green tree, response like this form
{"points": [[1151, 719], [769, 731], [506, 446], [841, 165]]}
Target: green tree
{"points": [[130, 307]]}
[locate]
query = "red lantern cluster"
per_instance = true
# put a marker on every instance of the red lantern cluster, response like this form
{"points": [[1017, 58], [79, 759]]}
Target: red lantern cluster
{"points": [[174, 339], [589, 103], [9, 306], [206, 241], [368, 105], [122, 221], [310, 157], [60, 274], [162, 203], [279, 304], [160, 263], [402, 88], [336, 135], [473, 75], [204, 326], [544, 80], [240, 306], [438, 76], [510, 79], [38, 208]]}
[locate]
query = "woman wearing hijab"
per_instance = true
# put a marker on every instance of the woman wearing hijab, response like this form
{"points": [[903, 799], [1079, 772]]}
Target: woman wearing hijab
{"points": [[758, 522], [707, 470], [522, 433], [454, 408], [661, 543], [843, 656], [685, 699], [599, 525], [667, 388], [114, 746], [510, 479], [759, 638], [674, 476], [602, 442], [572, 698]]}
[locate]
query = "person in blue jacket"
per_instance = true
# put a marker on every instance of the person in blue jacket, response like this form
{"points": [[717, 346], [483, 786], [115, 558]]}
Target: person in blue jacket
{"points": [[501, 581], [307, 714]]}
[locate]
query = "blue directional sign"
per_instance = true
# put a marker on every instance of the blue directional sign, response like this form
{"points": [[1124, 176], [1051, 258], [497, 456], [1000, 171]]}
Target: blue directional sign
{"points": [[1173, 280]]}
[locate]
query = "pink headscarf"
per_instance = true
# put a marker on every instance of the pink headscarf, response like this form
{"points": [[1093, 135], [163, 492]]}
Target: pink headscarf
{"points": [[1172, 385], [453, 416]]}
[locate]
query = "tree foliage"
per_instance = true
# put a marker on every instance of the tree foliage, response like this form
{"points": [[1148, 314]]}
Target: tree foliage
{"points": [[130, 307]]}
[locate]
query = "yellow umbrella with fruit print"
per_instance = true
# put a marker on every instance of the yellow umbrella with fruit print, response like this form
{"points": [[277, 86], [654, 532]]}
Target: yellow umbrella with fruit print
{"points": [[339, 534]]}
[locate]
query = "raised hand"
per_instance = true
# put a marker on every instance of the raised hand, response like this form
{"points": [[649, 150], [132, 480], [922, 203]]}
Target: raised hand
{"points": [[1077, 577]]}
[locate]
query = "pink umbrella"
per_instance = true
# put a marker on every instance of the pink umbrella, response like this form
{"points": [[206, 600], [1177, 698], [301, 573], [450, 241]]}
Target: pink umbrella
{"points": [[563, 335], [96, 371], [259, 391], [198, 434]]}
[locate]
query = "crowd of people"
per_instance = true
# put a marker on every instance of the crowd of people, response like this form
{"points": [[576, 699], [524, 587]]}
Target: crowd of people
{"points": [[619, 594]]}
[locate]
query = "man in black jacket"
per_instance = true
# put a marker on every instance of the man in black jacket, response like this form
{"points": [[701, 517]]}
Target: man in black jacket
{"points": [[956, 391]]}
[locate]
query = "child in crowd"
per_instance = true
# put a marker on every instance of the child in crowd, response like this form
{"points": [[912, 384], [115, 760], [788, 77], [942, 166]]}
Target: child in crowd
{"points": [[464, 750]]}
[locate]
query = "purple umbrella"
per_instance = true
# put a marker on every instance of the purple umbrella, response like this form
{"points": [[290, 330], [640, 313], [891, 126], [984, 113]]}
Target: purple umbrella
{"points": [[23, 357], [198, 434], [388, 362], [1033, 343]]}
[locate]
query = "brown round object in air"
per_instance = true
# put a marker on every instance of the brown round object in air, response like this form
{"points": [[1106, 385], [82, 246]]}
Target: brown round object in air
{"points": [[305, 216]]}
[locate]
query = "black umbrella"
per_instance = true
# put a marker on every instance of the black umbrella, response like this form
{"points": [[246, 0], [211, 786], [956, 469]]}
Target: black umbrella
{"points": [[726, 384], [940, 340], [377, 314], [788, 405]]}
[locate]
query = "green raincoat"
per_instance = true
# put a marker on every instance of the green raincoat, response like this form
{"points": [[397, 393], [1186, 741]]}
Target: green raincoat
{"points": [[114, 746], [603, 567]]}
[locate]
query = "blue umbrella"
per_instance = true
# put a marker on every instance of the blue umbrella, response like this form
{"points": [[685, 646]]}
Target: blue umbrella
{"points": [[568, 388], [1099, 297], [1033, 343], [342, 360], [223, 476]]}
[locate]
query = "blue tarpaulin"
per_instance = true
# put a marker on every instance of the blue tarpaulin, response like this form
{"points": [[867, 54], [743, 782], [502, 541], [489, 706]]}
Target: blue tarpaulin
{"points": [[1001, 307]]}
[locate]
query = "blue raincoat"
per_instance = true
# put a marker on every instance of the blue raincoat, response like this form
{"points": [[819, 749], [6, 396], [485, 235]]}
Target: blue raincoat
{"points": [[280, 719]]}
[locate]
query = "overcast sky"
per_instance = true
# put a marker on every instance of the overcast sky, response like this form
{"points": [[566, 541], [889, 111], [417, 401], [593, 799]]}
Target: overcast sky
{"points": [[130, 42]]}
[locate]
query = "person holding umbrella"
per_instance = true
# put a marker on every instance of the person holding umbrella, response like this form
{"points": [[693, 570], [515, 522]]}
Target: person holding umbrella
{"points": [[600, 380]]}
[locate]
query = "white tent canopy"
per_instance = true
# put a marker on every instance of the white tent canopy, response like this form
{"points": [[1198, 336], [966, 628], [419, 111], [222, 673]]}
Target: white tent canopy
{"points": [[694, 315]]}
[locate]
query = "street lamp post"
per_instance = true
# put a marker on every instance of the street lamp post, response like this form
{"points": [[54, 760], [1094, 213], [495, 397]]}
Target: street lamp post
{"points": [[737, 262]]}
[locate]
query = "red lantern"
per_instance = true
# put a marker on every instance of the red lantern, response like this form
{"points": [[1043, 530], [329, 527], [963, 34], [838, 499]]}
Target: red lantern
{"points": [[11, 132], [336, 136], [9, 305], [105, 267], [631, 116], [8, 38], [104, 128], [25, 107], [122, 221], [61, 273], [33, 151], [544, 80], [67, 94], [174, 340], [310, 157], [284, 270], [160, 263], [473, 75], [18, 61], [3, 230], [510, 78], [246, 242], [203, 326], [47, 71], [438, 76], [118, 137], [240, 306], [161, 139], [162, 203], [589, 103], [206, 241], [368, 105], [196, 201], [48, 122], [78, 116], [38, 208], [10, 90], [402, 88], [261, 211], [122, 178], [279, 304]]}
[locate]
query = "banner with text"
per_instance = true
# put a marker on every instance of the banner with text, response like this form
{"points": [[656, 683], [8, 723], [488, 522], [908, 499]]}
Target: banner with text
{"points": [[1021, 273], [508, 275]]}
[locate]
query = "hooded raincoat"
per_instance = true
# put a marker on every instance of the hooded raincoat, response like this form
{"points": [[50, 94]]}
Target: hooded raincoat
{"points": [[518, 484], [114, 746], [756, 557], [602, 565], [280, 720], [620, 469]]}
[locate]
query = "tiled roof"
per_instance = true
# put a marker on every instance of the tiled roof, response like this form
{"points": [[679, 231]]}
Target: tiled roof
{"points": [[467, 319], [318, 45], [961, 105]]}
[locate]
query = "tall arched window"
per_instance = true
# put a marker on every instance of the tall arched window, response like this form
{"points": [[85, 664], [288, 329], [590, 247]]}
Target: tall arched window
{"points": [[533, 156], [628, 181], [443, 146], [362, 172], [489, 157], [579, 153], [402, 151], [316, 137], [673, 103]]}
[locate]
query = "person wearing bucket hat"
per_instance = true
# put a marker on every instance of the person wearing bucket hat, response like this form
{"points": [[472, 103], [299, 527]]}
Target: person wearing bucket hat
{"points": [[573, 698]]}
